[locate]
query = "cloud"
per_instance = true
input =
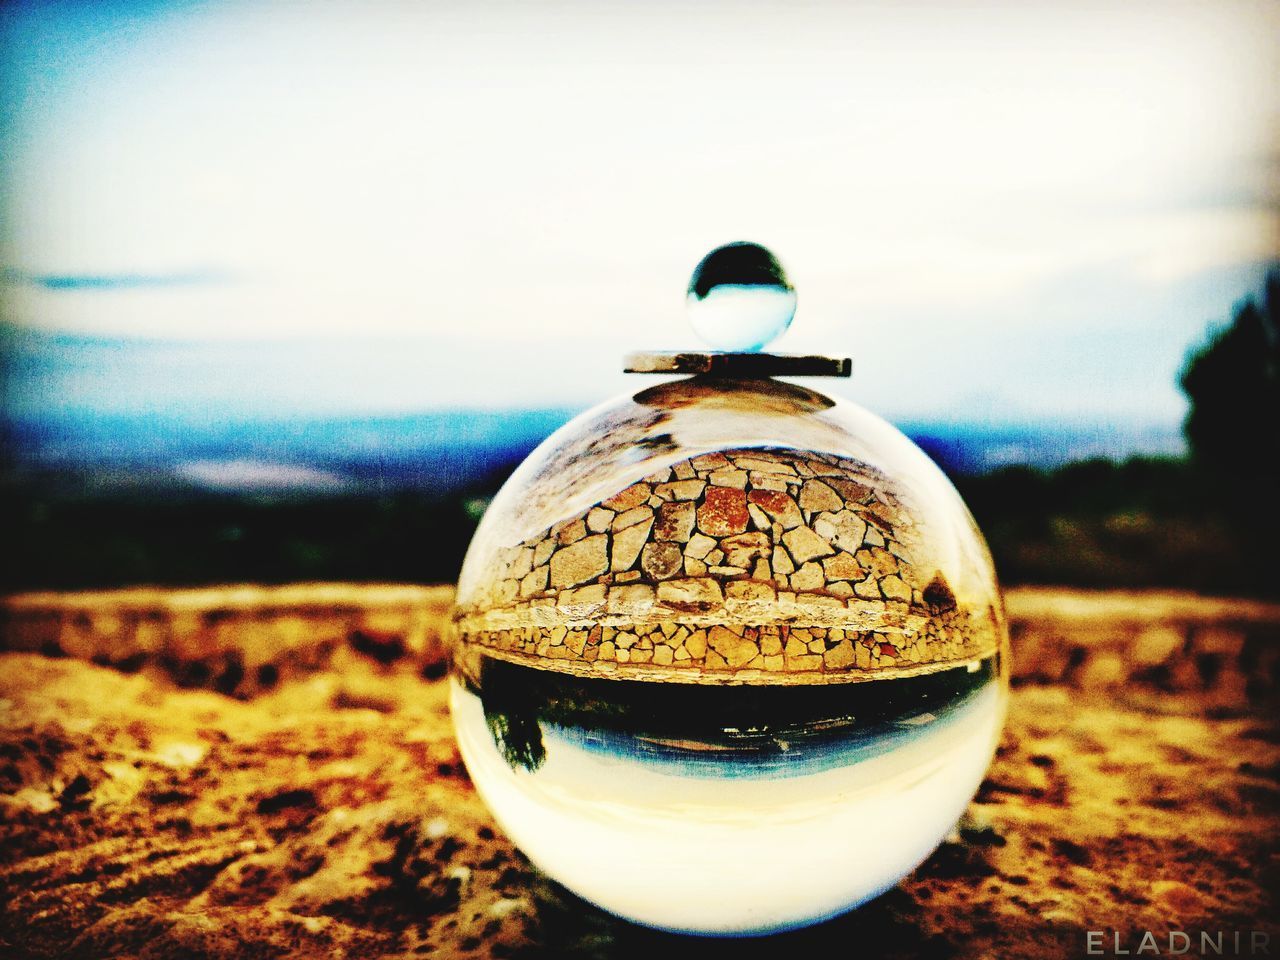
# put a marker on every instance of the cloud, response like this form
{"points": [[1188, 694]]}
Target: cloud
{"points": [[1018, 202], [116, 281]]}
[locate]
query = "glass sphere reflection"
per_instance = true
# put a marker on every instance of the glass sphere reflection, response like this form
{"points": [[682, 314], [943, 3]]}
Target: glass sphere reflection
{"points": [[739, 298], [731, 810], [731, 656]]}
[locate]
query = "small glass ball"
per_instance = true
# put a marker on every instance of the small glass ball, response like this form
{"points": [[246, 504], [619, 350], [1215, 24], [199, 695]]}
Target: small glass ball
{"points": [[739, 298]]}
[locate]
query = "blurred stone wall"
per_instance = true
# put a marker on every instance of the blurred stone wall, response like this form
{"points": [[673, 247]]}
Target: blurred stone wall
{"points": [[1147, 645], [240, 640], [243, 640]]}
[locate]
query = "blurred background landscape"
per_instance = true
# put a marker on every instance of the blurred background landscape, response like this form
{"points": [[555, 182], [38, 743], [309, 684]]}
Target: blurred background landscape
{"points": [[288, 292], [100, 498], [287, 289]]}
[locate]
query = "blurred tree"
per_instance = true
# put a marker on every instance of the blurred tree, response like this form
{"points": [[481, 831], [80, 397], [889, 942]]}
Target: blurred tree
{"points": [[1233, 431], [1233, 383]]}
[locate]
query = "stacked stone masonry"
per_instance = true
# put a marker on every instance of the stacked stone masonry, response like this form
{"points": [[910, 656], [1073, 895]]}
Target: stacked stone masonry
{"points": [[769, 564]]}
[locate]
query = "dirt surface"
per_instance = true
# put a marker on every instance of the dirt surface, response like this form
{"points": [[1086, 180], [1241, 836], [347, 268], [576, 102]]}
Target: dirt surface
{"points": [[1137, 788]]}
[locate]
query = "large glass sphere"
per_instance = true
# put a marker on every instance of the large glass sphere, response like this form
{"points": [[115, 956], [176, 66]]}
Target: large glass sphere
{"points": [[730, 656]]}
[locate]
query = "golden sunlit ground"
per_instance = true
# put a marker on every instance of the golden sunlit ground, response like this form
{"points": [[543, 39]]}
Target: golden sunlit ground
{"points": [[323, 811]]}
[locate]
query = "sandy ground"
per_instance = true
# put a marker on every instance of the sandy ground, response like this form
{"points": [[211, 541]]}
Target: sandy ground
{"points": [[1137, 788]]}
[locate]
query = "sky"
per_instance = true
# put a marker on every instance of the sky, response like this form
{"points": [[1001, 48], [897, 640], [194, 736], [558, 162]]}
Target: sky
{"points": [[999, 209]]}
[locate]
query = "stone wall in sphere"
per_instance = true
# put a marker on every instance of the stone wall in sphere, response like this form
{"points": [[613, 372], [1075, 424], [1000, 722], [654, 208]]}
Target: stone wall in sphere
{"points": [[769, 560]]}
